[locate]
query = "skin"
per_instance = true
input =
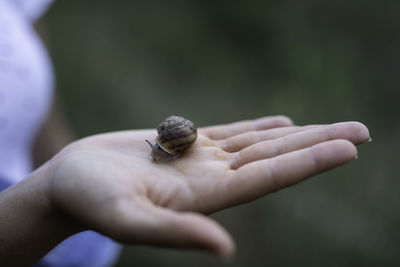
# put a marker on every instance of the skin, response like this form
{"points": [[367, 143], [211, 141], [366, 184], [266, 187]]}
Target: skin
{"points": [[109, 184]]}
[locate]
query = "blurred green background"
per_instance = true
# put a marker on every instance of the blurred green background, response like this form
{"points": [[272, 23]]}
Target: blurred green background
{"points": [[129, 64]]}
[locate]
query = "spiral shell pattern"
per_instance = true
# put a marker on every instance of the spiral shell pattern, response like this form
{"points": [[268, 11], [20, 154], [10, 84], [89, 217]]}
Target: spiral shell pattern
{"points": [[176, 134]]}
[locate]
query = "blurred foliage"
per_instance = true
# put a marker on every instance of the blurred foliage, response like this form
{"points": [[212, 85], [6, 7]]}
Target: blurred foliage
{"points": [[129, 64]]}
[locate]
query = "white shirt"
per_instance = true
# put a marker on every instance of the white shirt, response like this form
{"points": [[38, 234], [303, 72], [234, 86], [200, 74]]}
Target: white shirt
{"points": [[26, 85], [26, 91]]}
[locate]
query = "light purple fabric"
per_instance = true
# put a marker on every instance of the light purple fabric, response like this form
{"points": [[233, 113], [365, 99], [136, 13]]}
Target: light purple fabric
{"points": [[31, 9], [86, 249], [26, 90]]}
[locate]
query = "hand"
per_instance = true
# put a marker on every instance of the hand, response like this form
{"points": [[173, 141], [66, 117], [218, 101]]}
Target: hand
{"points": [[109, 183]]}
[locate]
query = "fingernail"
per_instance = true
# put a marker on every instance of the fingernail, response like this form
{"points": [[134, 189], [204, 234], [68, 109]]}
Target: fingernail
{"points": [[370, 139]]}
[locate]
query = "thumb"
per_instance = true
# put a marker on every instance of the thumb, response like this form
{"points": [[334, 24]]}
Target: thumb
{"points": [[158, 226]]}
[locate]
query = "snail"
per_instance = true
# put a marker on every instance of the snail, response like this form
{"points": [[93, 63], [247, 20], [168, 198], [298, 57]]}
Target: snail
{"points": [[175, 135]]}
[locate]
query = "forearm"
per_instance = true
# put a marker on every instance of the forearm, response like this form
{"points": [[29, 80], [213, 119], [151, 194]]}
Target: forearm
{"points": [[29, 224]]}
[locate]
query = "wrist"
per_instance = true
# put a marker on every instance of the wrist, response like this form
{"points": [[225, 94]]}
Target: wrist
{"points": [[43, 179], [29, 220]]}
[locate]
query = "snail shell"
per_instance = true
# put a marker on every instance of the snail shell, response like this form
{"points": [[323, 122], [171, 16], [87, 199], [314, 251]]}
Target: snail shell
{"points": [[175, 134]]}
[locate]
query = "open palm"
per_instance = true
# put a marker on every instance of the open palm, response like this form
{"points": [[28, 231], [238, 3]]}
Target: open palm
{"points": [[110, 184]]}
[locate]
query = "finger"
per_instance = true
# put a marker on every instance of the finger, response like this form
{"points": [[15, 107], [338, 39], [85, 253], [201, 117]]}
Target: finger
{"points": [[156, 226], [231, 129], [240, 141], [259, 178], [353, 131]]}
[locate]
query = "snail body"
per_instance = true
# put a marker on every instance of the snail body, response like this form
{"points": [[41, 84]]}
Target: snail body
{"points": [[175, 135]]}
